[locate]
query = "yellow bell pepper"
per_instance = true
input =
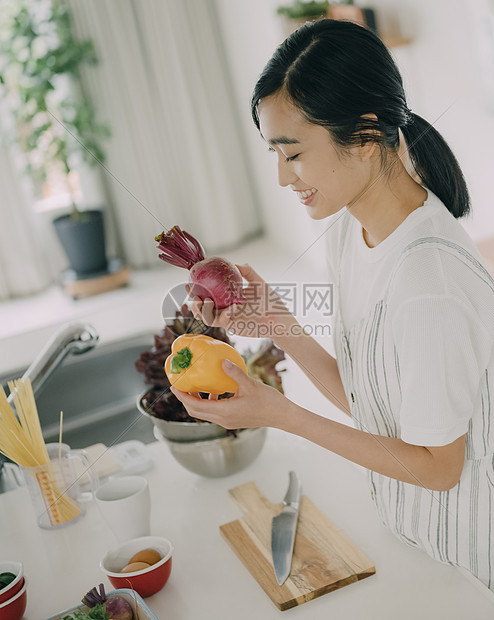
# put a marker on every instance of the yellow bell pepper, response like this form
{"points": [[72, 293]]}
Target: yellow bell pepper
{"points": [[194, 364]]}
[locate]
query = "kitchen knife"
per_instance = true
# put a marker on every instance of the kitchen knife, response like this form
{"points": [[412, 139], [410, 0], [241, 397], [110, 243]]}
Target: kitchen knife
{"points": [[283, 530]]}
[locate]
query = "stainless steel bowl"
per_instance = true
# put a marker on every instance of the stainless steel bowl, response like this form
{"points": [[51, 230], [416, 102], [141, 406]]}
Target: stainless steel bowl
{"points": [[218, 457], [182, 431]]}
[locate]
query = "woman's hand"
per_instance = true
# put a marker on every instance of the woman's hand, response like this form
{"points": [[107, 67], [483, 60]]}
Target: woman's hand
{"points": [[262, 315], [255, 404]]}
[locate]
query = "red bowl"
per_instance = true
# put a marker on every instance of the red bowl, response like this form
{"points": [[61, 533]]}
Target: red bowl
{"points": [[147, 581], [14, 586], [14, 608]]}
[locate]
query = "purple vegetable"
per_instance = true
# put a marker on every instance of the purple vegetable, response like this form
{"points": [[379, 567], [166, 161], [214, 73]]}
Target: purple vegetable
{"points": [[212, 277], [116, 607], [119, 609]]}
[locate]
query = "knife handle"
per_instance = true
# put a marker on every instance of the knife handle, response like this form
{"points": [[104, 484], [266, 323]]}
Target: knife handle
{"points": [[294, 490]]}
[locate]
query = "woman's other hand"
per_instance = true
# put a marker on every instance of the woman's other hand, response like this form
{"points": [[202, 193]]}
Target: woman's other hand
{"points": [[255, 404], [262, 315]]}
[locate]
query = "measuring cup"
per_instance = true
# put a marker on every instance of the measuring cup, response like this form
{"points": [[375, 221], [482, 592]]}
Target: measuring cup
{"points": [[55, 487]]}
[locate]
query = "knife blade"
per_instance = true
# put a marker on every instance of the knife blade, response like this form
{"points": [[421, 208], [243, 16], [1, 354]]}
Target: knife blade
{"points": [[283, 528]]}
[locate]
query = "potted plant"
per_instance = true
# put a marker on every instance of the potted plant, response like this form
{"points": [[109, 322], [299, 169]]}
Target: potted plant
{"points": [[296, 14], [299, 12], [159, 403], [40, 73], [347, 11]]}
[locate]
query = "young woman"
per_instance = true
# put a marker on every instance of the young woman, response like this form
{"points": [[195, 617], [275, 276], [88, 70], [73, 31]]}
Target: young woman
{"points": [[414, 323]]}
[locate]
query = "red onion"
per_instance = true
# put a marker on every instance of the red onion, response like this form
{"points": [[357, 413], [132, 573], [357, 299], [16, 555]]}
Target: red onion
{"points": [[119, 609], [116, 607], [213, 277]]}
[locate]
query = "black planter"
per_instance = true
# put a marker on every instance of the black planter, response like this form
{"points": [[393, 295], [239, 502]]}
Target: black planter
{"points": [[83, 240]]}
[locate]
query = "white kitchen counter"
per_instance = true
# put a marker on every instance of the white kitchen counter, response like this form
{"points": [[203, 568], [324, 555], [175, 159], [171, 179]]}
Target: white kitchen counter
{"points": [[208, 582]]}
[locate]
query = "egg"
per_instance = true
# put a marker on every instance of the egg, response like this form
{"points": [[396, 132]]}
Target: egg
{"points": [[150, 556], [135, 566]]}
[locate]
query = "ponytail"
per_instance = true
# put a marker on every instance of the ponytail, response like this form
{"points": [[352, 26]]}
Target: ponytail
{"points": [[436, 165]]}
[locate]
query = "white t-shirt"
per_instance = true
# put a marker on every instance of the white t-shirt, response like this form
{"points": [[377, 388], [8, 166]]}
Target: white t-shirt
{"points": [[414, 339]]}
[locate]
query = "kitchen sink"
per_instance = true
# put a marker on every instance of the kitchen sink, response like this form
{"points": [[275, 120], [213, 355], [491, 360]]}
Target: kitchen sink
{"points": [[97, 393]]}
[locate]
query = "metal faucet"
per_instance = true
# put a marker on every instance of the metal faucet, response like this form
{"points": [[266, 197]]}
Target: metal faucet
{"points": [[74, 338]]}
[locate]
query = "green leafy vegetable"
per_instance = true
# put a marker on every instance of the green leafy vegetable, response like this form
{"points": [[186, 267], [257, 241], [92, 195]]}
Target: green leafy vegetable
{"points": [[5, 579], [98, 612]]}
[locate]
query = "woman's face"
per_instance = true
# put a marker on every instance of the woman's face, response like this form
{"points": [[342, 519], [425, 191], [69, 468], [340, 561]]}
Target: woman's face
{"points": [[324, 179]]}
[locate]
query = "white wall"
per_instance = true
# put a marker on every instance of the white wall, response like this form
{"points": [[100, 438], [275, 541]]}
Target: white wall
{"points": [[444, 82], [442, 71], [252, 32]]}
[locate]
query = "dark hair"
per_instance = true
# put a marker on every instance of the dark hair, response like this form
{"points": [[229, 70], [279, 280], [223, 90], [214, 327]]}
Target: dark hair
{"points": [[335, 72]]}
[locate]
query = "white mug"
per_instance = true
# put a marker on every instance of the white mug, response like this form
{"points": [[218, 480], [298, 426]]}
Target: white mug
{"points": [[125, 504]]}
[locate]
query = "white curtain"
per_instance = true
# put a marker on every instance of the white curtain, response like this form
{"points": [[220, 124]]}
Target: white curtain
{"points": [[176, 155], [25, 267]]}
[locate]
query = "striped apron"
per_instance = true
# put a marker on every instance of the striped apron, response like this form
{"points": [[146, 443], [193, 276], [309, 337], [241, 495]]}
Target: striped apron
{"points": [[455, 527]]}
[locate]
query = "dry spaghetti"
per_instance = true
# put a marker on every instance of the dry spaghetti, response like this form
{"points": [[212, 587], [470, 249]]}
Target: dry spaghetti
{"points": [[21, 440]]}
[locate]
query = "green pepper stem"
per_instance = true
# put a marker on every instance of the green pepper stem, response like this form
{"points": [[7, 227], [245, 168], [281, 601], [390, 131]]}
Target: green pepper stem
{"points": [[181, 360]]}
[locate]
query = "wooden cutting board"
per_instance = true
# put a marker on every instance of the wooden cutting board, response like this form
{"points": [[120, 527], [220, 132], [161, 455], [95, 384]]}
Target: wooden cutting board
{"points": [[324, 558]]}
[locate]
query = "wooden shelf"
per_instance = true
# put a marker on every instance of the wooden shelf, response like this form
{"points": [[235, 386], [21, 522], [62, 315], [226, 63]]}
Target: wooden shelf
{"points": [[395, 41], [289, 25], [78, 289]]}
